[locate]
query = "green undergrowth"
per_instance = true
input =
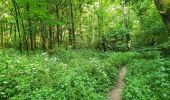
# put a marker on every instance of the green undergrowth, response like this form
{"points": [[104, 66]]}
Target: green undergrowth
{"points": [[65, 75], [148, 78]]}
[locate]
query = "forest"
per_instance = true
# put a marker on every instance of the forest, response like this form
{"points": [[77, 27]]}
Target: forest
{"points": [[84, 49]]}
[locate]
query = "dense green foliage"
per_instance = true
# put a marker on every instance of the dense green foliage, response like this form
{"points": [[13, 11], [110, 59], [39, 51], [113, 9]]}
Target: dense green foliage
{"points": [[80, 74], [73, 49], [148, 79], [101, 24]]}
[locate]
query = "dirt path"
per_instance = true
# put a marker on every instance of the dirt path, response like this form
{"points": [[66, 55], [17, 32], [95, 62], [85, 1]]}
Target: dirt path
{"points": [[117, 90]]}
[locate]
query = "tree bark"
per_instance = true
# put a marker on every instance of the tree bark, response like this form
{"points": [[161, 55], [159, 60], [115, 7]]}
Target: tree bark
{"points": [[17, 25], [72, 25], [50, 27], [10, 36], [93, 30], [58, 26], [2, 41], [43, 36], [30, 27], [23, 27], [81, 13], [15, 35], [164, 12]]}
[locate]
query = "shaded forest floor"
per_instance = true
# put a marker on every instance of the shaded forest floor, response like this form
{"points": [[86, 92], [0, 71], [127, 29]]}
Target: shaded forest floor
{"points": [[83, 74]]}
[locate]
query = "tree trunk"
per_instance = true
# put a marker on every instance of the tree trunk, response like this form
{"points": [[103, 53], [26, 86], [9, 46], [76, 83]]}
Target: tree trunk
{"points": [[5, 35], [164, 12], [15, 35], [2, 41], [10, 37], [58, 26], [80, 25], [23, 27], [93, 30], [72, 25], [30, 27], [43, 36], [50, 27], [17, 24]]}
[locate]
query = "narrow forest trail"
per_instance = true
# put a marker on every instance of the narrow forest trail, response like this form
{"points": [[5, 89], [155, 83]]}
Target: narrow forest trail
{"points": [[116, 93]]}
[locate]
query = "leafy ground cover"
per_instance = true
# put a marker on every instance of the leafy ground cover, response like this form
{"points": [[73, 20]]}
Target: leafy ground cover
{"points": [[75, 75], [82, 74], [148, 78]]}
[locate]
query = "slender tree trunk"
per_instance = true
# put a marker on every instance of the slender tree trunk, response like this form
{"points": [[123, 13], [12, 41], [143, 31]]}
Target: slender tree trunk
{"points": [[17, 24], [34, 41], [70, 36], [58, 26], [50, 38], [99, 25], [30, 27], [80, 25], [61, 35], [15, 33], [72, 25], [2, 42], [93, 30], [10, 37], [24, 31], [43, 36], [43, 31], [6, 35], [23, 27], [50, 27]]}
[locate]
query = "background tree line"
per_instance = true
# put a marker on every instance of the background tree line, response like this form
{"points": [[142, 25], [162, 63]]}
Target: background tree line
{"points": [[28, 25]]}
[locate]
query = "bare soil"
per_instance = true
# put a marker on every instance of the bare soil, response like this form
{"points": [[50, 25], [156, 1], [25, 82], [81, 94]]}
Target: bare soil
{"points": [[116, 93]]}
